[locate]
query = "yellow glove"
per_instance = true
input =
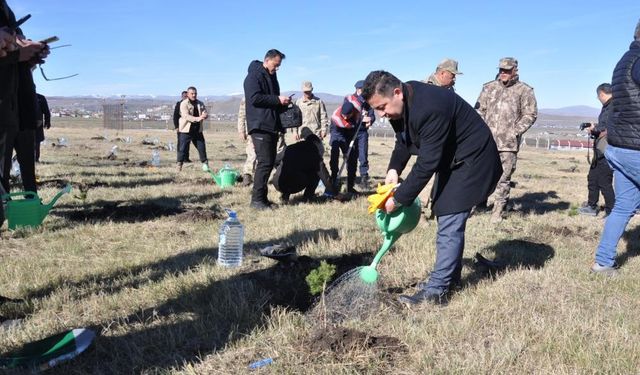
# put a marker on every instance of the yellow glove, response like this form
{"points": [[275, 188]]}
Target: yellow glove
{"points": [[377, 200]]}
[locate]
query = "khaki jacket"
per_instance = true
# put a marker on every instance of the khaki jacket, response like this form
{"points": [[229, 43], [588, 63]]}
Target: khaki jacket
{"points": [[187, 117], [314, 115], [242, 117], [509, 110]]}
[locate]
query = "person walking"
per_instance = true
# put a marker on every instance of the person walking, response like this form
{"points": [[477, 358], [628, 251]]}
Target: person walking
{"points": [[509, 107]]}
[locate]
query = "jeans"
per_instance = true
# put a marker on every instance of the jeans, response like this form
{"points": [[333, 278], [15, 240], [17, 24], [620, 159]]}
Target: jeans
{"points": [[449, 248], [626, 171], [265, 144], [340, 139], [362, 138], [186, 150]]}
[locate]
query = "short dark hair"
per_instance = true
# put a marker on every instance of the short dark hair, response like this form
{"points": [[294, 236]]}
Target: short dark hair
{"points": [[379, 82], [604, 88], [182, 93], [273, 53], [192, 88]]}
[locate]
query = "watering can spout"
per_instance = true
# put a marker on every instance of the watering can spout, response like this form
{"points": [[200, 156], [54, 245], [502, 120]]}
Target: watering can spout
{"points": [[47, 207]]}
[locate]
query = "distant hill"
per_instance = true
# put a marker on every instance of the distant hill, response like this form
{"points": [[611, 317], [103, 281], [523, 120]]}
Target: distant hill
{"points": [[573, 111]]}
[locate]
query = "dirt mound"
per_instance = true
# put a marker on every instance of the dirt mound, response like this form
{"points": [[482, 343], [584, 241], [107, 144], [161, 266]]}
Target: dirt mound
{"points": [[340, 341], [199, 214]]}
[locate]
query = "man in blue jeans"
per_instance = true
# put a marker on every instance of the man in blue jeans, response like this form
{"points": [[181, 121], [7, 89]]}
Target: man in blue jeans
{"points": [[451, 141], [623, 155]]}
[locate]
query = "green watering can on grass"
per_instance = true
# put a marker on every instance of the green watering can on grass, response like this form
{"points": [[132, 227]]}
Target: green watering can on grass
{"points": [[28, 212], [225, 177], [393, 225]]}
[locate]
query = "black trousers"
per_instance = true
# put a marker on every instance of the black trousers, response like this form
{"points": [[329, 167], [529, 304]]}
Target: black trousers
{"points": [[600, 179], [25, 151], [8, 135], [178, 143], [265, 144], [184, 140], [39, 138]]}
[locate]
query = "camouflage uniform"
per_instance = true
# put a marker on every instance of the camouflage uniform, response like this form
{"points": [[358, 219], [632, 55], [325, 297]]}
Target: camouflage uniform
{"points": [[432, 80], [250, 164], [509, 109], [314, 115]]}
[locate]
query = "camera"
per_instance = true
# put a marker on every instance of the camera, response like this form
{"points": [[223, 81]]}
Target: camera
{"points": [[585, 125]]}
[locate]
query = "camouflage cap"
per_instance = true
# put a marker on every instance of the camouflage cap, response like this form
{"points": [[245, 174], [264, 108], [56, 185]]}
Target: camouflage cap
{"points": [[307, 86], [508, 63], [449, 65]]}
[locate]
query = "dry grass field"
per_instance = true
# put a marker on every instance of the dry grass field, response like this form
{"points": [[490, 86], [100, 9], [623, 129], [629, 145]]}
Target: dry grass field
{"points": [[134, 258]]}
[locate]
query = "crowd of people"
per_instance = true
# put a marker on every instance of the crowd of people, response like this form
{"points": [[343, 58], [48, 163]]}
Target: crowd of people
{"points": [[471, 151]]}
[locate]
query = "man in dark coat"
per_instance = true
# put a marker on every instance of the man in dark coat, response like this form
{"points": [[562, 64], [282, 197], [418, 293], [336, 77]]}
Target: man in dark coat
{"points": [[450, 140], [176, 125], [300, 166], [600, 177], [43, 122], [11, 53], [263, 101]]}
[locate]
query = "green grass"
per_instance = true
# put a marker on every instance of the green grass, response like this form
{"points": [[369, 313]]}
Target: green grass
{"points": [[135, 260]]}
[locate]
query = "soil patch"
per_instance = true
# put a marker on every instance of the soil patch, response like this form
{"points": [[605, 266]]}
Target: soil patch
{"points": [[199, 214], [339, 341]]}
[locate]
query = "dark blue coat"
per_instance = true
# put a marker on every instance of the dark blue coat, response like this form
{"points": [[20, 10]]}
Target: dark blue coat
{"points": [[450, 140], [261, 91], [624, 130]]}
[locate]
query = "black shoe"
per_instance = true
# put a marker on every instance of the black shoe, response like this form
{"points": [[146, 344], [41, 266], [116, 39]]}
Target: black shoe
{"points": [[285, 198], [423, 295], [188, 161], [259, 205], [352, 190]]}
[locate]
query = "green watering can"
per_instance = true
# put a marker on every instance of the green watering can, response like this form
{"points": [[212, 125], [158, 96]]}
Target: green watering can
{"points": [[393, 225], [225, 177], [28, 212]]}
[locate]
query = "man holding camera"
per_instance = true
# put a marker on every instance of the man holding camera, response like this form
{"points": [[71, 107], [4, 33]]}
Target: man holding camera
{"points": [[622, 154], [263, 102], [509, 107], [600, 175]]}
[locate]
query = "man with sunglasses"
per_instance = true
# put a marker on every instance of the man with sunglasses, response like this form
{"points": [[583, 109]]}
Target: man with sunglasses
{"points": [[509, 107]]}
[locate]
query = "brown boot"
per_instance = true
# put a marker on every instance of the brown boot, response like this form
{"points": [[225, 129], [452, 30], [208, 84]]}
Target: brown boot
{"points": [[246, 179]]}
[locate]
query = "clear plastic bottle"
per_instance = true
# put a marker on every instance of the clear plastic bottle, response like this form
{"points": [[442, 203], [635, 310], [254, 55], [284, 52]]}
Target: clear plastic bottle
{"points": [[231, 241], [15, 168], [155, 158], [114, 150]]}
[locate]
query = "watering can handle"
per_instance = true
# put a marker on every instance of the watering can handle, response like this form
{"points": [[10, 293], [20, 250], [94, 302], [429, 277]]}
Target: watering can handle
{"points": [[18, 193]]}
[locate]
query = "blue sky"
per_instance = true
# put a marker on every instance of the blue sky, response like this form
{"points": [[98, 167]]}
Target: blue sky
{"points": [[565, 48]]}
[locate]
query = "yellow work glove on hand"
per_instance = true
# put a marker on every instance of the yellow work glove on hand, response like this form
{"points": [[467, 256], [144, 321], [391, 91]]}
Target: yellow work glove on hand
{"points": [[377, 200]]}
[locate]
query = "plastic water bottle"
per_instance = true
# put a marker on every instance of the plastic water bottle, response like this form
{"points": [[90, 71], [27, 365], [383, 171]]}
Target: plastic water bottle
{"points": [[231, 241], [63, 142], [114, 151], [155, 158], [170, 146], [15, 168]]}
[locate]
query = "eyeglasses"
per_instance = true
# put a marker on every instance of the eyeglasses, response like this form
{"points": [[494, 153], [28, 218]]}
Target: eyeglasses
{"points": [[59, 78], [54, 79]]}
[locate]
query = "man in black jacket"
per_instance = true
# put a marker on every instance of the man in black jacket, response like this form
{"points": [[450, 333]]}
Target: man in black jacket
{"points": [[600, 177], [263, 101], [176, 124], [43, 122], [300, 166], [450, 140], [623, 155], [12, 54]]}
